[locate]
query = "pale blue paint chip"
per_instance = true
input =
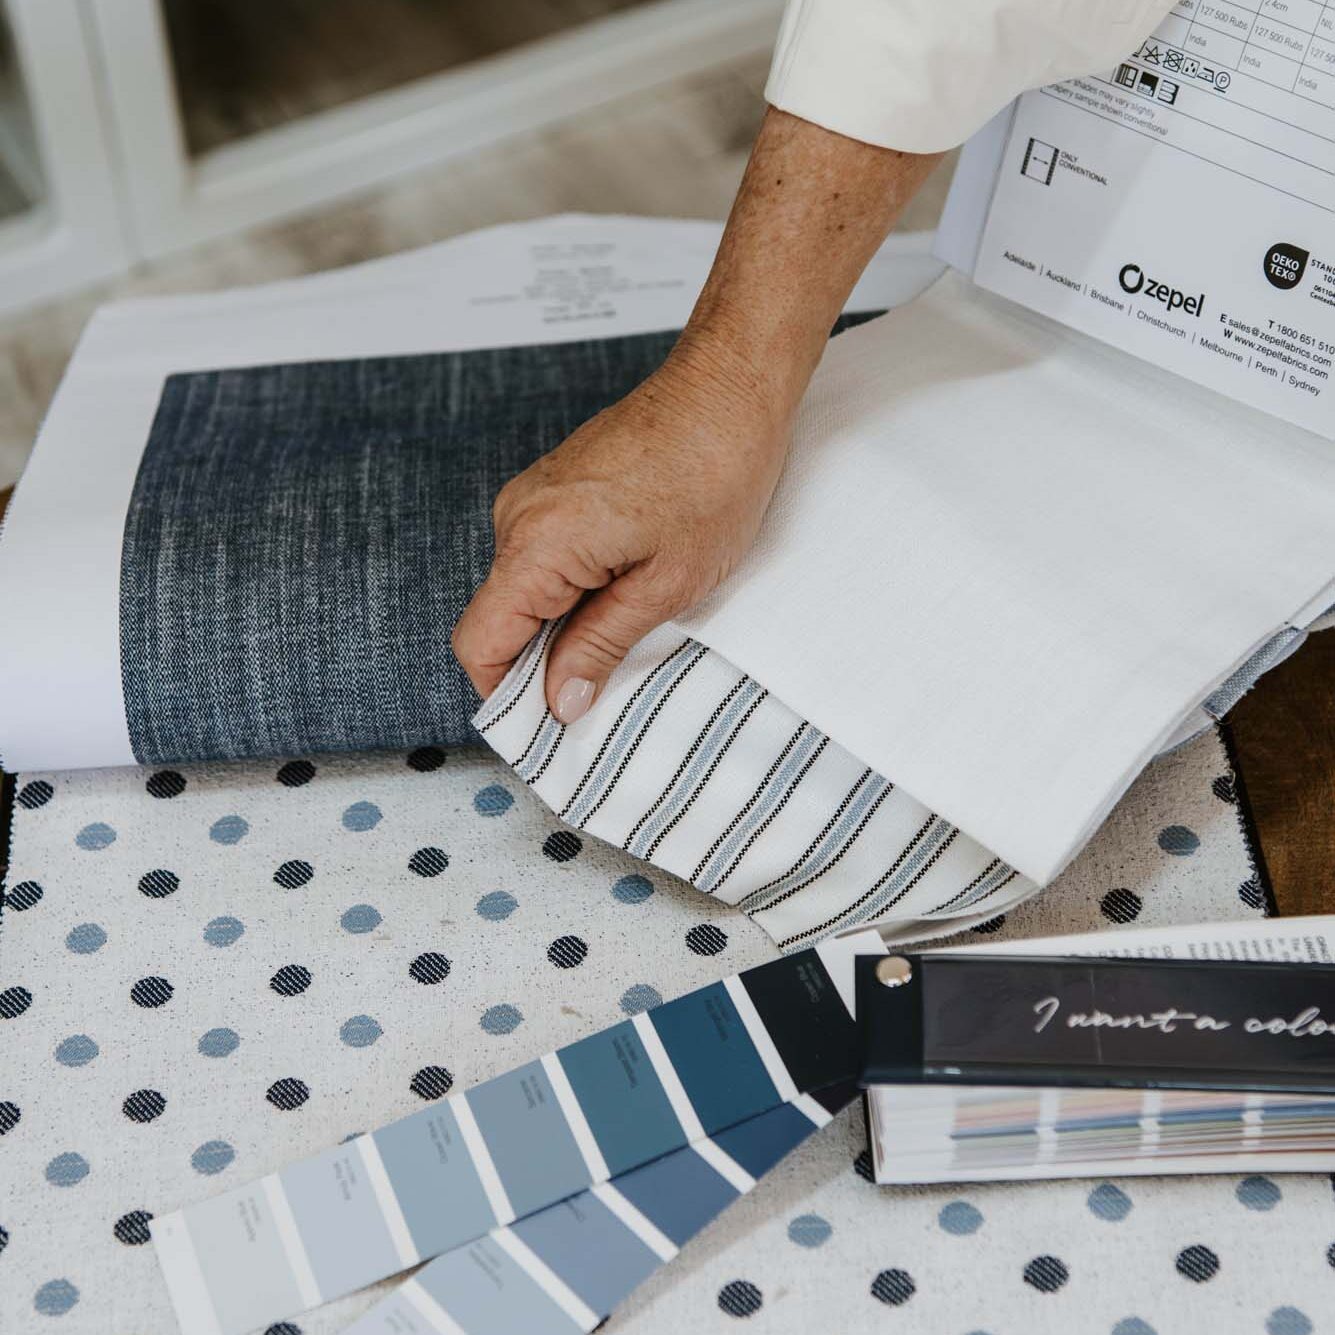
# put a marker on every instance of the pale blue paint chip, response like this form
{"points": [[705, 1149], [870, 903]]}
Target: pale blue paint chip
{"points": [[1258, 1193], [55, 1297], [1178, 840], [493, 800], [360, 918], [67, 1169], [640, 997], [224, 931], [1108, 1202], [960, 1218], [809, 1230], [632, 889], [502, 1019], [496, 906]]}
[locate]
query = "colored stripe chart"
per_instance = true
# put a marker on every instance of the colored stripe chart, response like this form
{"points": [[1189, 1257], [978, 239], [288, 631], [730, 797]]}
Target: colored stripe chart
{"points": [[551, 1133]]}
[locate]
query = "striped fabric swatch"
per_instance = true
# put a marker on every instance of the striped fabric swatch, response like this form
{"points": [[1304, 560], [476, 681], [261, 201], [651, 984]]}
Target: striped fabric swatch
{"points": [[693, 766]]}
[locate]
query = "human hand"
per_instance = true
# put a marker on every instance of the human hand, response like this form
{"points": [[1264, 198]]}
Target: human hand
{"points": [[630, 521]]}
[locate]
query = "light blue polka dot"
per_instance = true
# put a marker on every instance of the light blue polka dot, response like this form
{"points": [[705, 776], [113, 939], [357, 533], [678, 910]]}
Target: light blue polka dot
{"points": [[1258, 1193], [85, 938], [493, 800], [960, 1218], [224, 931], [95, 836], [67, 1169], [361, 816], [640, 997], [1288, 1321], [77, 1050], [1133, 1325], [1108, 1202], [360, 918], [212, 1157], [809, 1230], [497, 905], [229, 830], [632, 889], [55, 1297], [502, 1019], [360, 1031], [218, 1042], [1179, 840]]}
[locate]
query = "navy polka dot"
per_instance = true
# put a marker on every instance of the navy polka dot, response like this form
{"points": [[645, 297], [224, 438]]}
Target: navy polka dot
{"points": [[493, 800], [23, 896], [1178, 840], [502, 1019], [862, 1166], [229, 830], [429, 861], [223, 931], [1047, 1274], [144, 1105], [151, 992], [77, 1050], [425, 759], [1252, 893], [288, 1093], [809, 1230], [990, 926], [431, 1082], [429, 968], [55, 1297], [1197, 1263], [1121, 905], [740, 1298], [1108, 1202], [361, 816], [706, 939], [11, 1116], [296, 773], [1224, 788], [291, 980], [567, 952], [960, 1218], [165, 783], [67, 1170], [86, 938], [221, 1042], [293, 874], [159, 884], [132, 1228], [360, 1031], [95, 837], [640, 997], [35, 794], [632, 890], [212, 1157], [360, 919], [1330, 1251], [282, 1328], [893, 1287], [4, 1237], [1258, 1193], [13, 1002], [496, 906], [562, 845]]}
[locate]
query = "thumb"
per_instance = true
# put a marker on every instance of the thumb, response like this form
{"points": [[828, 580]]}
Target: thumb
{"points": [[598, 635]]}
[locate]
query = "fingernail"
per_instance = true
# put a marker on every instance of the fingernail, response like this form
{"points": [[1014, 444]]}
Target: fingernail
{"points": [[573, 700]]}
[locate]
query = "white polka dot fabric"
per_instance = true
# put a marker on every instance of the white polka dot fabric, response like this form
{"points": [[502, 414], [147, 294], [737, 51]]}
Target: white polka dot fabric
{"points": [[208, 973]]}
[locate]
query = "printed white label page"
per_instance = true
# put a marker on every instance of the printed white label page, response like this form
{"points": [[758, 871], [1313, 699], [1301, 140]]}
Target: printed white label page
{"points": [[1182, 205]]}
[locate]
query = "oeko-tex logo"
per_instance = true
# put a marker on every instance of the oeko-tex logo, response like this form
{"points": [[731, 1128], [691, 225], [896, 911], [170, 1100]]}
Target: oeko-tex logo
{"points": [[1284, 265]]}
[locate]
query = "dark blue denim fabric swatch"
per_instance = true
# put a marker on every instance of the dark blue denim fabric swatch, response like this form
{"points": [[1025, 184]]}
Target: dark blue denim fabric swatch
{"points": [[301, 539]]}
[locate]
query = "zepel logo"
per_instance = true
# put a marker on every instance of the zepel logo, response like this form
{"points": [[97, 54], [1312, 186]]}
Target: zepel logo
{"points": [[1284, 265], [1133, 279]]}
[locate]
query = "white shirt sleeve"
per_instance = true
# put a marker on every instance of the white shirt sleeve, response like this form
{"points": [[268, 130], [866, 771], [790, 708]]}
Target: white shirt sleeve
{"points": [[922, 75]]}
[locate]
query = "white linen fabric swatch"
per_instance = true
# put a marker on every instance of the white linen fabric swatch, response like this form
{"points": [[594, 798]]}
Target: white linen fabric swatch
{"points": [[1003, 569]]}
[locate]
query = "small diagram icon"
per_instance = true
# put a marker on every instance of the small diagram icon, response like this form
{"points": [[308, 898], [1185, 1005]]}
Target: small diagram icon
{"points": [[1148, 84], [1040, 161], [1126, 75], [1168, 91]]}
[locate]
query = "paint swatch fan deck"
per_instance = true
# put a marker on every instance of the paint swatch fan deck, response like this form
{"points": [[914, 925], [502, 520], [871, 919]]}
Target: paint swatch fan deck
{"points": [[991, 1068]]}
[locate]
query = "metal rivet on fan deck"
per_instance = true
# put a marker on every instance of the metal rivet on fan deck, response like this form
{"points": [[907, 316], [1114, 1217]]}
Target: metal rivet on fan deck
{"points": [[893, 971]]}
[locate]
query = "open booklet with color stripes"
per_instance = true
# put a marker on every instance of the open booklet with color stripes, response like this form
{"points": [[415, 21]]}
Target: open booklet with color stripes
{"points": [[680, 1080]]}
